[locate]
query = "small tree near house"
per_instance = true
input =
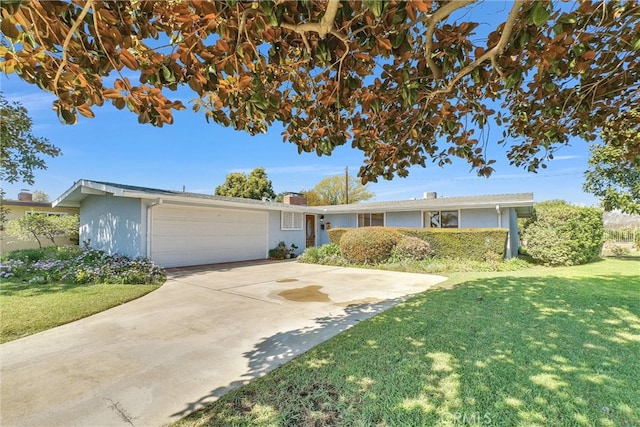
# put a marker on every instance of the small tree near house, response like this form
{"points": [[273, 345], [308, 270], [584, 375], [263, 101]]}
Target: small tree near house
{"points": [[42, 226]]}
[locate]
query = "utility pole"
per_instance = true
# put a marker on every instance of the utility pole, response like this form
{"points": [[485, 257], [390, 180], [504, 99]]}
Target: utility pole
{"points": [[346, 185]]}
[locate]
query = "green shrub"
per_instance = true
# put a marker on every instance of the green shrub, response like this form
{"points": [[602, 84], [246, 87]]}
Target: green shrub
{"points": [[329, 250], [462, 243], [310, 255], [369, 245], [335, 234], [411, 248], [26, 255], [563, 234], [637, 240], [326, 254]]}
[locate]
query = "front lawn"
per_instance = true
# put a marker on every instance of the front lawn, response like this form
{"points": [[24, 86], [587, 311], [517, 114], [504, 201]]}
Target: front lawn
{"points": [[536, 347], [27, 308], [48, 287]]}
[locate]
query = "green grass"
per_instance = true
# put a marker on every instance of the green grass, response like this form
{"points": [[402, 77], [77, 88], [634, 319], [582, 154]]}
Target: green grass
{"points": [[26, 309], [535, 347]]}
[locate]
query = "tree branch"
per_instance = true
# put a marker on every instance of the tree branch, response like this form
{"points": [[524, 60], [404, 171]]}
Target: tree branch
{"points": [[326, 23], [431, 21], [242, 27], [324, 27], [65, 45], [491, 54]]}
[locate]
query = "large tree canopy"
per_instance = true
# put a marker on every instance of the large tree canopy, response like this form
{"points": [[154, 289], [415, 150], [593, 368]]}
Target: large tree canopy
{"points": [[614, 174], [255, 186], [21, 152], [332, 190], [404, 82]]}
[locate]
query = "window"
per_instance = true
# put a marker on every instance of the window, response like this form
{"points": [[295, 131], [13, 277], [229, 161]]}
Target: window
{"points": [[291, 220], [441, 219], [371, 220]]}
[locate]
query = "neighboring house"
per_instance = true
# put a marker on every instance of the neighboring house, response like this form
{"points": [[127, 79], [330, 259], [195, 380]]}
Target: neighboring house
{"points": [[176, 228], [25, 206]]}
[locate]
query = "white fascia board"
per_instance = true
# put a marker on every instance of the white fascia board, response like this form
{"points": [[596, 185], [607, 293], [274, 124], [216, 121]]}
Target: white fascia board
{"points": [[195, 201], [80, 190], [92, 191], [365, 208], [66, 194]]}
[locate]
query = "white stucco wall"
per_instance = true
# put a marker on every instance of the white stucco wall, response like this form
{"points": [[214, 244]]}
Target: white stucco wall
{"points": [[337, 221], [114, 225], [482, 218], [277, 235]]}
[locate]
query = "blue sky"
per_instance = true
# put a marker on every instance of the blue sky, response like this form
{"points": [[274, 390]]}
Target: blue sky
{"points": [[191, 153]]}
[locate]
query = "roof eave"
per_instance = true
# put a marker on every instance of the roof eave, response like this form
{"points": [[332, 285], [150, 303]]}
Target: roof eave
{"points": [[74, 196]]}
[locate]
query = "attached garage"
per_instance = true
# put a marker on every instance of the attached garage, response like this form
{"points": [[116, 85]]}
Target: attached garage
{"points": [[188, 235], [177, 228]]}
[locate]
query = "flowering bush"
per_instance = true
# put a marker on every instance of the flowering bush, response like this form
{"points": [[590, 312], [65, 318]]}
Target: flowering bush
{"points": [[80, 266], [11, 268]]}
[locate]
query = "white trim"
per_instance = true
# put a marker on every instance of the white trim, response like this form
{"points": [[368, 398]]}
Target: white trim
{"points": [[296, 219], [150, 226], [428, 212], [370, 213]]}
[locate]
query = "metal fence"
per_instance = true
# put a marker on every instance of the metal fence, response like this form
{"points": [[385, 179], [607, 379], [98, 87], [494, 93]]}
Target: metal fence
{"points": [[623, 235]]}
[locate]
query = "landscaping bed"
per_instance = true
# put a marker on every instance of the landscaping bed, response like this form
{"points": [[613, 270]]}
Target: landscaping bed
{"points": [[44, 288]]}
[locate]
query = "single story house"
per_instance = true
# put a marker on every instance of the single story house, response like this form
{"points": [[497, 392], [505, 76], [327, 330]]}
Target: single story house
{"points": [[176, 228], [23, 206]]}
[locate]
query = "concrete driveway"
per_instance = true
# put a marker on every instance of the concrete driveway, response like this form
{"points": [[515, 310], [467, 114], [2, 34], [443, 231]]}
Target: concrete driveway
{"points": [[204, 332]]}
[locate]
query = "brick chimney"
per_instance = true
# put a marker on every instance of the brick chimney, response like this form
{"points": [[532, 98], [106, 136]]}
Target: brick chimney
{"points": [[294, 199], [25, 196]]}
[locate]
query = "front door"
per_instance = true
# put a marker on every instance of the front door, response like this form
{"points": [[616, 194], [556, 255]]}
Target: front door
{"points": [[310, 230]]}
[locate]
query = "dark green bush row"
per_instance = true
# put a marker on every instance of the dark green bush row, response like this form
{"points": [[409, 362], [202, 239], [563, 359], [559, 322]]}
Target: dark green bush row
{"points": [[476, 244], [563, 234], [468, 243]]}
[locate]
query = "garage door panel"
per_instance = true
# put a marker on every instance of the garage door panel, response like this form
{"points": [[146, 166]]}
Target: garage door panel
{"points": [[197, 234], [191, 236]]}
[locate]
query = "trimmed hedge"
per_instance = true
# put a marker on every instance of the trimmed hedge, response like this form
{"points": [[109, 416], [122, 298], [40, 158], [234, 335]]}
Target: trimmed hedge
{"points": [[369, 245], [563, 234], [412, 248], [335, 234], [476, 244], [467, 243]]}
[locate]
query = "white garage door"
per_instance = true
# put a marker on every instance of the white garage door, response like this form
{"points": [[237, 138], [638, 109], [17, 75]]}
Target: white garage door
{"points": [[182, 236]]}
